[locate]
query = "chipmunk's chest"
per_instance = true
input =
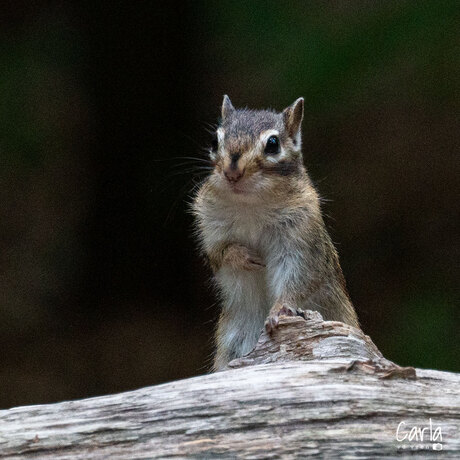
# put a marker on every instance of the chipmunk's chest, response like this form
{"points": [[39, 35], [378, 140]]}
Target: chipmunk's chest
{"points": [[242, 225]]}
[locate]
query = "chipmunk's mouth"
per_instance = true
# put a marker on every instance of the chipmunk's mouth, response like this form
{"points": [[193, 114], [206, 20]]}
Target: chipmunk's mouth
{"points": [[238, 189], [243, 186]]}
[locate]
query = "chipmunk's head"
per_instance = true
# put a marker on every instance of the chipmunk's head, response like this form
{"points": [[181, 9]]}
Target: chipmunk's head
{"points": [[255, 150]]}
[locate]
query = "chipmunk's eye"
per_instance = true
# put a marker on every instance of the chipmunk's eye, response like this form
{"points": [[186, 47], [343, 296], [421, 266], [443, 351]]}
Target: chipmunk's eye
{"points": [[273, 146], [214, 144]]}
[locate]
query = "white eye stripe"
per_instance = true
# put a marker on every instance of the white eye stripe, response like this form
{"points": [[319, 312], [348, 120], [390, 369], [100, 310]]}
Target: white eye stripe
{"points": [[272, 159], [220, 135], [264, 135]]}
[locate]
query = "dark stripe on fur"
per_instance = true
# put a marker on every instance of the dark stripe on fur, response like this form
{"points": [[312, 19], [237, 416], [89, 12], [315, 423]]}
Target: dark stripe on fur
{"points": [[283, 168]]}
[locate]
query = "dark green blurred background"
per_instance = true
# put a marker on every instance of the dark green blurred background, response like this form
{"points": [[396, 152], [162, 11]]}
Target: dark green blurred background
{"points": [[101, 289]]}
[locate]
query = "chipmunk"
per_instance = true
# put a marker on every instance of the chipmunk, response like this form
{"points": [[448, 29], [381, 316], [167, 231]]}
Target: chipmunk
{"points": [[260, 225]]}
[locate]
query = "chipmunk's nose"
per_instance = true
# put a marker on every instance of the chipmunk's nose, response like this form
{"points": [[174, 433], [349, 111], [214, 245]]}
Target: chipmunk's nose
{"points": [[232, 172], [233, 175]]}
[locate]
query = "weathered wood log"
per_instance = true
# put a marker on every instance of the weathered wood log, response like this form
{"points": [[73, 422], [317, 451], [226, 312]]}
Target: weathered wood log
{"points": [[312, 388]]}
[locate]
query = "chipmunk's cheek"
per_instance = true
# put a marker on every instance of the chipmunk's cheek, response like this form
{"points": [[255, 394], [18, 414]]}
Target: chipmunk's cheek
{"points": [[222, 182]]}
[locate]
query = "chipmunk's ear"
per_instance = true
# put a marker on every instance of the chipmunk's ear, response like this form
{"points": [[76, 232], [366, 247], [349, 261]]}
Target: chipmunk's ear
{"points": [[227, 107], [293, 116]]}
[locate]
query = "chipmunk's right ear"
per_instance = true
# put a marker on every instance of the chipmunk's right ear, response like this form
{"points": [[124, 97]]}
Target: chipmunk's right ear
{"points": [[293, 116], [227, 107]]}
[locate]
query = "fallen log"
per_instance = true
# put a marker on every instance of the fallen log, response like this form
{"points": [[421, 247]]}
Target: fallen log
{"points": [[313, 387]]}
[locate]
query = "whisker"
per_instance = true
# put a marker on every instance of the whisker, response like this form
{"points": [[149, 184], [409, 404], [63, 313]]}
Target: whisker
{"points": [[205, 160], [185, 172], [191, 163], [210, 127]]}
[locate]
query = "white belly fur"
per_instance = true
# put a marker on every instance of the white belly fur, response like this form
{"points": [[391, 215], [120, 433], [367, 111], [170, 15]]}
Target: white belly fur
{"points": [[245, 295]]}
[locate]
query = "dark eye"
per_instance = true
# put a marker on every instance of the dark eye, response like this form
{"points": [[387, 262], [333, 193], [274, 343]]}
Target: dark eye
{"points": [[214, 143], [273, 146]]}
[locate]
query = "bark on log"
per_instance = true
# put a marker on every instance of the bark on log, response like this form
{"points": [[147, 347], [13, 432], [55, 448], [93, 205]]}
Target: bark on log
{"points": [[313, 388]]}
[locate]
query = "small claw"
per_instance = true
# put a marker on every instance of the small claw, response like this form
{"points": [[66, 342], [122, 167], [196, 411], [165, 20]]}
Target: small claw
{"points": [[287, 311], [256, 263], [271, 324], [241, 258], [272, 321]]}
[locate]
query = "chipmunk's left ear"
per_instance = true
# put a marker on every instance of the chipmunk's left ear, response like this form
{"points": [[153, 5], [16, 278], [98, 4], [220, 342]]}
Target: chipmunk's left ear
{"points": [[293, 116], [227, 107]]}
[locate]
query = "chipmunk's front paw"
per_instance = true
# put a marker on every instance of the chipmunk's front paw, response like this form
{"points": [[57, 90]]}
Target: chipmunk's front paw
{"points": [[278, 310], [243, 258]]}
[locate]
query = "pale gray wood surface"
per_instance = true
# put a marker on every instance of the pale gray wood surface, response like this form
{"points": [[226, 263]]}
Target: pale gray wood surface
{"points": [[313, 388]]}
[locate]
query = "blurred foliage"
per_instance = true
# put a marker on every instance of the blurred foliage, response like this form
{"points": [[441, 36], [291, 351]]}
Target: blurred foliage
{"points": [[100, 289], [34, 83], [338, 54], [419, 337]]}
